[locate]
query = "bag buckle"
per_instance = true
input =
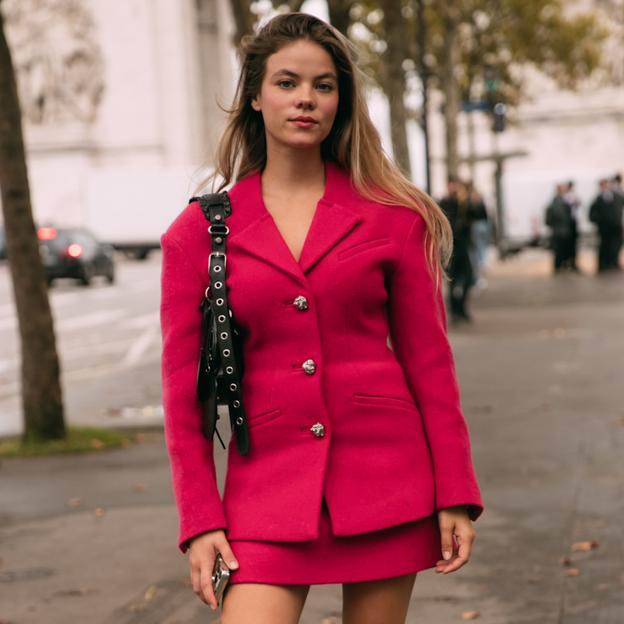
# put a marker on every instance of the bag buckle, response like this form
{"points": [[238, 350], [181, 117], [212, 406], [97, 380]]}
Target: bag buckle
{"points": [[216, 253]]}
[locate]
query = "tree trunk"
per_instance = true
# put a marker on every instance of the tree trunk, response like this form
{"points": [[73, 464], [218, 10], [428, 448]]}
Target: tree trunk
{"points": [[244, 20], [339, 14], [450, 88], [40, 372], [394, 83]]}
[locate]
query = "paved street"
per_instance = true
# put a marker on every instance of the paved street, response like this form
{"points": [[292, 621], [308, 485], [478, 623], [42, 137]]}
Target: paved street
{"points": [[109, 344], [93, 538]]}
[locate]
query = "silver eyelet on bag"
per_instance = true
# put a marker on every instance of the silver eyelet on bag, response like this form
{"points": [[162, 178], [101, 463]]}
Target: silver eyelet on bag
{"points": [[236, 403], [229, 370], [219, 301], [221, 318], [224, 335], [217, 268], [239, 420], [218, 284], [226, 352], [233, 386]]}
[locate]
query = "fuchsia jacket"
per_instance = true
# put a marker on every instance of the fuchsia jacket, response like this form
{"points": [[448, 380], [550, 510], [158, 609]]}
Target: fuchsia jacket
{"points": [[334, 408]]}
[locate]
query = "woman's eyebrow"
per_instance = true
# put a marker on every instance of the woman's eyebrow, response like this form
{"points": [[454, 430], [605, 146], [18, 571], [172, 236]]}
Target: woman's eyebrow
{"points": [[295, 75]]}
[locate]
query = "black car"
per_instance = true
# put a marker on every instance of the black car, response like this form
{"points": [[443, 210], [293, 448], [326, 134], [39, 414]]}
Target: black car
{"points": [[75, 253]]}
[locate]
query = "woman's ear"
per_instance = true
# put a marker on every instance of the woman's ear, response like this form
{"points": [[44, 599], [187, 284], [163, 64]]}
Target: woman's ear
{"points": [[255, 104]]}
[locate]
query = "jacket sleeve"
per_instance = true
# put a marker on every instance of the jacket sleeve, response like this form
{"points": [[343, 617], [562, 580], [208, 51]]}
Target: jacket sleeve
{"points": [[418, 334], [193, 471]]}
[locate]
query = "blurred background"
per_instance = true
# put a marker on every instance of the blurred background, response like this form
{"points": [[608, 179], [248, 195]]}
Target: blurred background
{"points": [[509, 112]]}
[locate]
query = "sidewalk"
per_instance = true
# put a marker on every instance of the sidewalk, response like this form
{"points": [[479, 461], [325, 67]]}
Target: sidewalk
{"points": [[93, 538]]}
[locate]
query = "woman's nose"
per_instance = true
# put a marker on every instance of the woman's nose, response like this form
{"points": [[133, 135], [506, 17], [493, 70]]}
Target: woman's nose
{"points": [[305, 97]]}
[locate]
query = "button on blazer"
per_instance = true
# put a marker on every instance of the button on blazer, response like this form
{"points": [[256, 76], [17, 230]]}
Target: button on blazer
{"points": [[349, 387]]}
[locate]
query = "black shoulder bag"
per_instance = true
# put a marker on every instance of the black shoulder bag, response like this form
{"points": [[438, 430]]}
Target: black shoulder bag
{"points": [[220, 368]]}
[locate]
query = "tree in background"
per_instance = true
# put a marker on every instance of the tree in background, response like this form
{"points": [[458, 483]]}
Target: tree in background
{"points": [[470, 41], [40, 372], [498, 40]]}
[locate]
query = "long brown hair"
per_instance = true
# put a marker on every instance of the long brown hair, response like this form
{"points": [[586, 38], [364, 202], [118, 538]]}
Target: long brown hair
{"points": [[353, 142]]}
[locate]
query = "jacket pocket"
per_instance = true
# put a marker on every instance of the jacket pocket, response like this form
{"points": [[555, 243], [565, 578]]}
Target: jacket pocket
{"points": [[264, 417], [362, 246], [383, 399]]}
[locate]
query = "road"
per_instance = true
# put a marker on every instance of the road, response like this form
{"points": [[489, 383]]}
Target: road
{"points": [[108, 339], [93, 537]]}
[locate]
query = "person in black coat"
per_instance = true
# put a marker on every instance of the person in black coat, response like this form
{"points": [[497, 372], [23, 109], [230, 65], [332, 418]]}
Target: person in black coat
{"points": [[455, 206], [559, 219], [606, 213], [572, 199]]}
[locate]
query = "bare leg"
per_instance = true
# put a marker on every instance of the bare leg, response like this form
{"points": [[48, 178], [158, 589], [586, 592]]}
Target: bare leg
{"points": [[377, 602], [263, 603]]}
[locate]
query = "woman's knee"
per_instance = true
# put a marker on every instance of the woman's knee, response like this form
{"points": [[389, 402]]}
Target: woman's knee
{"points": [[385, 601], [263, 603]]}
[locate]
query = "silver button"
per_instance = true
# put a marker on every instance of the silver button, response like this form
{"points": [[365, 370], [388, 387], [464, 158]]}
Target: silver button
{"points": [[300, 302], [318, 429], [309, 366]]}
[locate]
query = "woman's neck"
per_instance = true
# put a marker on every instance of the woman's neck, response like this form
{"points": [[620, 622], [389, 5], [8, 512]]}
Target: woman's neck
{"points": [[291, 174]]}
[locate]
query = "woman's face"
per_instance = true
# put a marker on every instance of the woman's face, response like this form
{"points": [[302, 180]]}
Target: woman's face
{"points": [[300, 80]]}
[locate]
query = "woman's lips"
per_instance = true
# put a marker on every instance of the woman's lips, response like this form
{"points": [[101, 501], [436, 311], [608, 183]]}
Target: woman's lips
{"points": [[303, 124]]}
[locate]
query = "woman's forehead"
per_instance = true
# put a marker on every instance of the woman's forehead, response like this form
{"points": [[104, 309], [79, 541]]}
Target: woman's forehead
{"points": [[301, 58]]}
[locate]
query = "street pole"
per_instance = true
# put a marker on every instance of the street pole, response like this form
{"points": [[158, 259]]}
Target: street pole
{"points": [[424, 78]]}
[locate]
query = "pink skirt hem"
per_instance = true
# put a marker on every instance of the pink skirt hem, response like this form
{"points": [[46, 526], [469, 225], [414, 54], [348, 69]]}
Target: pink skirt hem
{"points": [[394, 551]]}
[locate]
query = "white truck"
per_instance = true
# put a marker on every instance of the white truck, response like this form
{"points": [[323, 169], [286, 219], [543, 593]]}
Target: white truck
{"points": [[131, 209]]}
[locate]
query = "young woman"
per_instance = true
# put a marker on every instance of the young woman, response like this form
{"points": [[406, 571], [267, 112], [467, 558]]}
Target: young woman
{"points": [[359, 470]]}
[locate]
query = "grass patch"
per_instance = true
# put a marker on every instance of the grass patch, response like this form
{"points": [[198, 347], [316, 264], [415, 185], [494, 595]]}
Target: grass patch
{"points": [[78, 440]]}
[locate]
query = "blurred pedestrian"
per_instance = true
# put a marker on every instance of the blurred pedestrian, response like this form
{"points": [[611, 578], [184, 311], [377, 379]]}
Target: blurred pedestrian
{"points": [[619, 191], [480, 232], [456, 208], [558, 218], [572, 199], [606, 212]]}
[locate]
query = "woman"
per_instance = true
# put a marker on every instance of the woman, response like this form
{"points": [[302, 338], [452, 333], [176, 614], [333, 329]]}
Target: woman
{"points": [[359, 470]]}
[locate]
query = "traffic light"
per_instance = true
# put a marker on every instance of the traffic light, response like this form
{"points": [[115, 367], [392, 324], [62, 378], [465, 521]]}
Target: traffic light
{"points": [[500, 117]]}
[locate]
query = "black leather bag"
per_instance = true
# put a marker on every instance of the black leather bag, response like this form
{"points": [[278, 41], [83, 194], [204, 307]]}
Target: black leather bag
{"points": [[220, 367]]}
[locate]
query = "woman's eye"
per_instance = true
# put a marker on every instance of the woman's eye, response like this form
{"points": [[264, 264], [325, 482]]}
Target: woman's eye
{"points": [[328, 85], [281, 82]]}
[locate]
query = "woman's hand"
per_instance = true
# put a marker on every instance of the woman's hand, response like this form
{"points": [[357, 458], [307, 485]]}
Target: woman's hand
{"points": [[203, 551], [454, 521]]}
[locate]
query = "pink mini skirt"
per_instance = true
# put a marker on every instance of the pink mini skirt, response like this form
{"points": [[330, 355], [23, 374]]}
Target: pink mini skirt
{"points": [[394, 551]]}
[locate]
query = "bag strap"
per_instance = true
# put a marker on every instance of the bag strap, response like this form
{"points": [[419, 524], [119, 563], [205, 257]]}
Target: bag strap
{"points": [[216, 207]]}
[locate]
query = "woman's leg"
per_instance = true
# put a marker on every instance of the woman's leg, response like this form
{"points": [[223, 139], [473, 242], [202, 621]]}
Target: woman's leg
{"points": [[377, 602], [263, 603]]}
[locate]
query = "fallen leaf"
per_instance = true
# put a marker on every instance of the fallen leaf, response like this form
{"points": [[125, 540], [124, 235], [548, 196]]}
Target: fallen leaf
{"points": [[77, 591], [150, 592], [95, 443], [565, 561], [74, 502], [585, 546], [100, 511], [471, 615], [139, 487], [572, 572]]}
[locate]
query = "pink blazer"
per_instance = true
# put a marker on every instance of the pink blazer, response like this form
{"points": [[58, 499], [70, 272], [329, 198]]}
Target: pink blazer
{"points": [[334, 408]]}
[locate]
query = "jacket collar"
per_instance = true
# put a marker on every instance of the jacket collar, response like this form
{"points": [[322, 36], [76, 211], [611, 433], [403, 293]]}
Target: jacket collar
{"points": [[255, 231]]}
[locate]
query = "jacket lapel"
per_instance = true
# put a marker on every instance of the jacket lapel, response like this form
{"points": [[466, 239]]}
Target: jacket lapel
{"points": [[331, 223], [255, 231]]}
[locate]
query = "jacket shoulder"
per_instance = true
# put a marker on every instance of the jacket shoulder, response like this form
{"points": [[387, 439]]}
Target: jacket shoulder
{"points": [[189, 226]]}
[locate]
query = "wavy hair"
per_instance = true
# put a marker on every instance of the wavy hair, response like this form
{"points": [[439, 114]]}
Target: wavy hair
{"points": [[353, 142]]}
